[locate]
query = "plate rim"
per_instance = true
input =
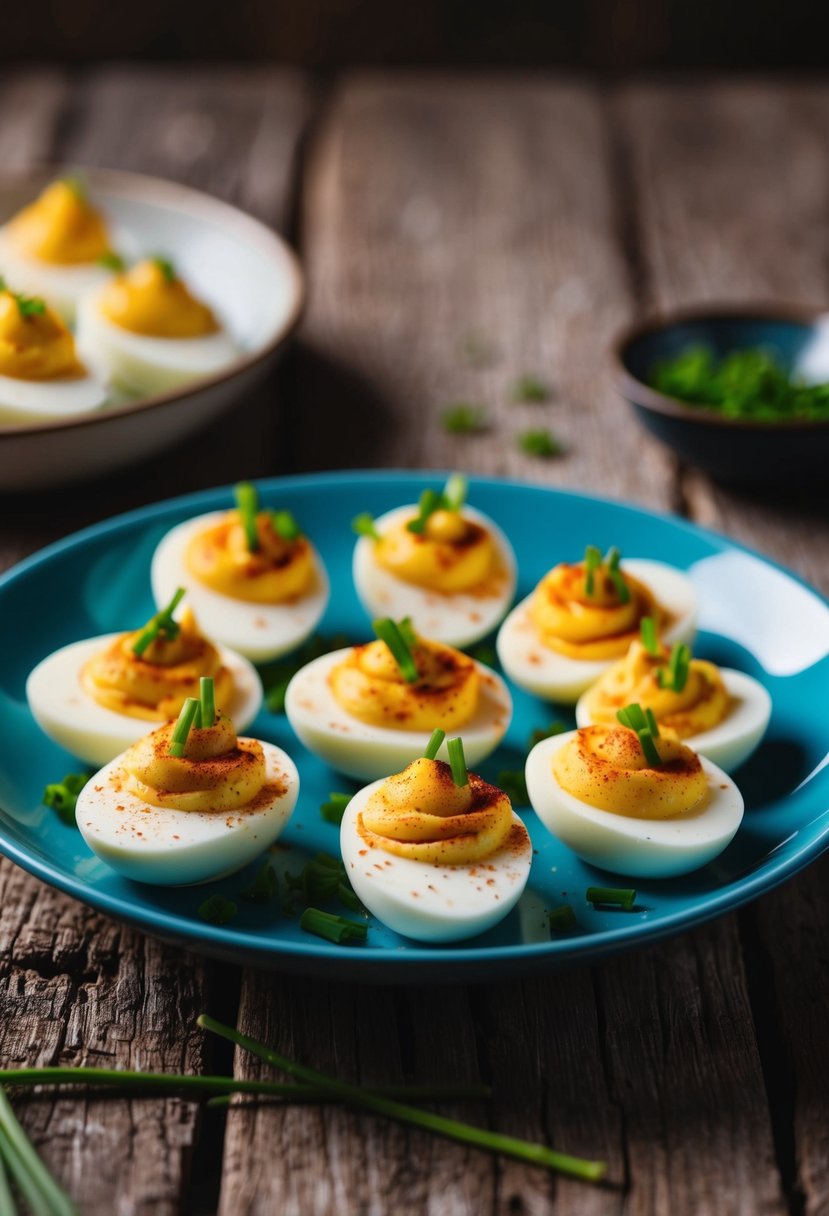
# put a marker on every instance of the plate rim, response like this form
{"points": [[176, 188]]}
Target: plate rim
{"points": [[363, 962]]}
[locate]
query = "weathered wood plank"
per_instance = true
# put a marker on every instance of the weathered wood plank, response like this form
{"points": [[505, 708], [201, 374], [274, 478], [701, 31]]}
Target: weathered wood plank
{"points": [[732, 183]]}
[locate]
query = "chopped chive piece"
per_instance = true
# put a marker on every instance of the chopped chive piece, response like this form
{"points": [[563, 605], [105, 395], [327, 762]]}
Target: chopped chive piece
{"points": [[611, 561], [545, 732], [647, 632], [514, 784], [112, 261], [653, 725], [333, 810], [182, 727], [323, 878], [433, 746], [30, 306], [217, 910], [562, 918], [679, 666], [167, 268], [162, 622], [247, 502], [457, 762], [539, 443], [430, 501], [639, 722], [207, 702], [464, 419], [407, 631], [285, 525], [36, 1185], [265, 886], [622, 897], [592, 562], [530, 389], [388, 631], [62, 796], [332, 928], [363, 525], [484, 653], [454, 492]]}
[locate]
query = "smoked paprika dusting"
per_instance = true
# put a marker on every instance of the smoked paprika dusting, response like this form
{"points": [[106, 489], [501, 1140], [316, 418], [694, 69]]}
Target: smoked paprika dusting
{"points": [[451, 555]]}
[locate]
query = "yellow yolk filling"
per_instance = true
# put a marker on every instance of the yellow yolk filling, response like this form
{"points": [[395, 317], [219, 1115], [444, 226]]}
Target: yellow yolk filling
{"points": [[154, 686], [368, 684], [451, 555], [278, 570], [147, 300], [606, 768], [35, 347], [421, 814], [60, 227], [217, 772], [595, 626], [703, 703]]}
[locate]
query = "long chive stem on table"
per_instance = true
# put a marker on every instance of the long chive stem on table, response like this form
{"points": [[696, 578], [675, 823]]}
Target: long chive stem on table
{"points": [[38, 1186], [464, 1133]]}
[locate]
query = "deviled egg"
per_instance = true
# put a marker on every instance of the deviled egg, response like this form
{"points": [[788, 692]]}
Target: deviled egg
{"points": [[582, 616], [189, 802], [720, 712], [443, 564], [97, 696], [254, 581], [370, 709], [58, 247], [150, 332], [41, 377], [632, 799], [435, 852]]}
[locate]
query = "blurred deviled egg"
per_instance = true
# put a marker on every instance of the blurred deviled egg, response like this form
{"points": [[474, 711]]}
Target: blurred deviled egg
{"points": [[370, 709], [188, 802], [441, 563], [58, 247], [254, 581], [435, 852], [721, 713], [150, 332], [583, 615], [97, 696], [633, 799], [41, 376]]}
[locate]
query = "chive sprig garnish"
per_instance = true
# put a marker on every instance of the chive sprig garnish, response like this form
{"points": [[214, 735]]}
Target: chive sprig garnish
{"points": [[363, 524], [166, 267], [389, 631], [450, 498], [207, 702], [429, 502], [433, 746], [36, 1185], [611, 561], [454, 492], [648, 636], [618, 897], [332, 928], [593, 562], [285, 526], [457, 762], [247, 504], [463, 1133], [644, 725], [181, 730], [679, 665], [160, 624]]}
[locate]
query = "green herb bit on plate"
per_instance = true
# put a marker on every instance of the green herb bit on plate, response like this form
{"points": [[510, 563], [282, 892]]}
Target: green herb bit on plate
{"points": [[217, 910], [264, 889], [514, 785], [562, 918], [62, 796], [612, 897], [337, 929], [333, 810]]}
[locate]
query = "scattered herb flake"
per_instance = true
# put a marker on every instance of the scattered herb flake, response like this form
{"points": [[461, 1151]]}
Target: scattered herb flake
{"points": [[545, 732], [333, 810], [514, 785], [562, 919], [464, 419], [62, 796], [531, 389], [539, 443], [265, 886], [217, 910]]}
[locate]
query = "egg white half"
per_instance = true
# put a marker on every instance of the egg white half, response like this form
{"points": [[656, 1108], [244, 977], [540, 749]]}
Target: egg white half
{"points": [[177, 848], [65, 711], [61, 286], [557, 677], [430, 902], [635, 848], [33, 401], [144, 364], [258, 631], [458, 619], [734, 739], [361, 750]]}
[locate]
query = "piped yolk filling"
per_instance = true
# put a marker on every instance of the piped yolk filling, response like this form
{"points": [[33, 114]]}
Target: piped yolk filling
{"points": [[701, 705], [217, 772], [149, 300], [37, 346], [60, 227], [451, 555], [606, 768], [422, 815], [596, 626], [154, 686], [276, 572], [368, 685]]}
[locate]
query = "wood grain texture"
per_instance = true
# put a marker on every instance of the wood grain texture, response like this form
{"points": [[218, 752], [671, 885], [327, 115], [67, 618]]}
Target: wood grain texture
{"points": [[732, 183]]}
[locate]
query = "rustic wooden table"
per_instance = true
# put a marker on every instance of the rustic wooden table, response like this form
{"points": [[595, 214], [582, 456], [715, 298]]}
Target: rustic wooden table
{"points": [[542, 214]]}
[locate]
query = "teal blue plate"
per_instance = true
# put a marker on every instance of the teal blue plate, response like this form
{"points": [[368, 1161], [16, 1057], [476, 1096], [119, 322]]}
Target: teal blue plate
{"points": [[755, 616]]}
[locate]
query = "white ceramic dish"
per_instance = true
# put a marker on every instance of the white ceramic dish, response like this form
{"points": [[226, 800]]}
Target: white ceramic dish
{"points": [[230, 258]]}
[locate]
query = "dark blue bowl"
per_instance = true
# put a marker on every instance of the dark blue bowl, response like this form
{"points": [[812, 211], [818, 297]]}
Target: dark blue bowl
{"points": [[783, 453]]}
